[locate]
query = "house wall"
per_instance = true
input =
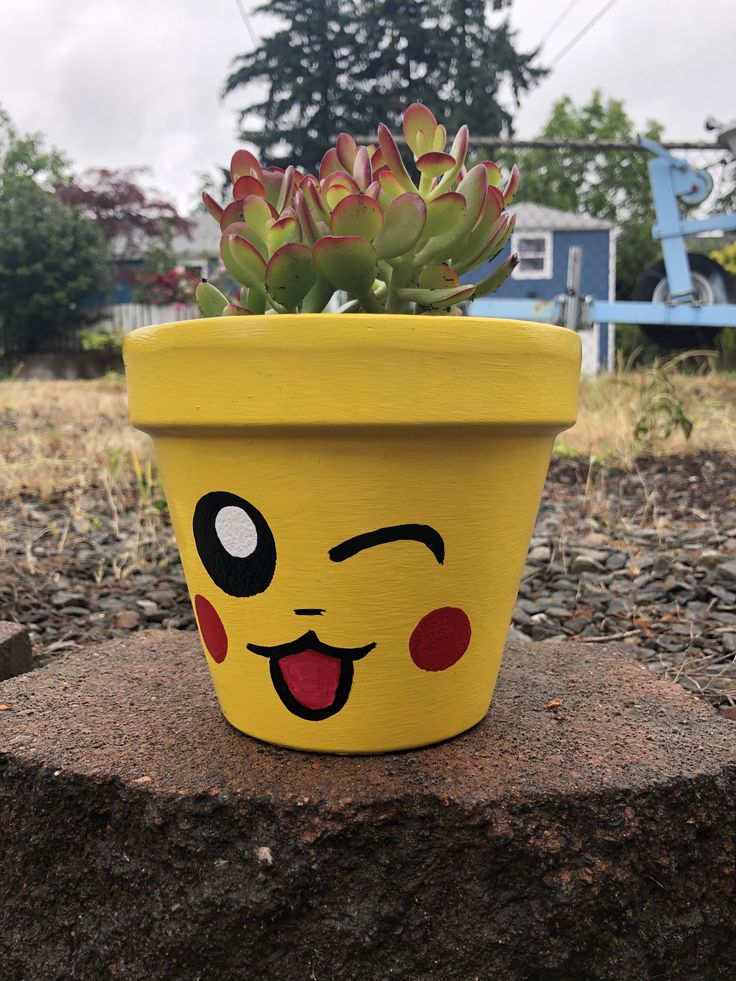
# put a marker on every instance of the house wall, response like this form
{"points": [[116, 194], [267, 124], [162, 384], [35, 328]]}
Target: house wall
{"points": [[597, 274], [595, 268]]}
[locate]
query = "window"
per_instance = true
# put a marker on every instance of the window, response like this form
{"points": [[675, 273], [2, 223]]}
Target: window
{"points": [[535, 255]]}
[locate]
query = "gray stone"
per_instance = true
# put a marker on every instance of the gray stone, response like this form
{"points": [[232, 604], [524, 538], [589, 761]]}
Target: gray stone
{"points": [[586, 562], [622, 604], [709, 559], [521, 617], [727, 571], [729, 643], [616, 561], [128, 619], [148, 607], [16, 656], [541, 553], [584, 829]]}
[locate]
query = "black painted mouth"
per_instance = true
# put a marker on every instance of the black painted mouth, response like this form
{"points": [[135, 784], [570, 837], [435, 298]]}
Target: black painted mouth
{"points": [[312, 679]]}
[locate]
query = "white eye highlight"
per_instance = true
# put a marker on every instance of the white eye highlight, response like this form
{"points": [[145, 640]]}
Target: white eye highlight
{"points": [[236, 531]]}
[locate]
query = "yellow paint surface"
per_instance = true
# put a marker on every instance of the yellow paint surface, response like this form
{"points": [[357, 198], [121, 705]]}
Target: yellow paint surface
{"points": [[456, 419]]}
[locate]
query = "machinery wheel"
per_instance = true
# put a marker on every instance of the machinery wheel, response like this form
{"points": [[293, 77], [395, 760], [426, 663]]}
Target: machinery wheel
{"points": [[712, 284]]}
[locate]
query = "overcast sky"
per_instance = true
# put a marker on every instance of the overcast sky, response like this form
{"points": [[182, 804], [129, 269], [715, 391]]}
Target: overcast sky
{"points": [[118, 83]]}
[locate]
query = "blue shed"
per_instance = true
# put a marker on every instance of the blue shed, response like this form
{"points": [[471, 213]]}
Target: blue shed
{"points": [[543, 238]]}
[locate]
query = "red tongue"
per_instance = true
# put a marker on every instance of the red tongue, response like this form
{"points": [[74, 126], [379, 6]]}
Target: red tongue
{"points": [[312, 678]]}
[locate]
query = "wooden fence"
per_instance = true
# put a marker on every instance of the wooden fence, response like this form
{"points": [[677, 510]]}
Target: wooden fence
{"points": [[124, 317]]}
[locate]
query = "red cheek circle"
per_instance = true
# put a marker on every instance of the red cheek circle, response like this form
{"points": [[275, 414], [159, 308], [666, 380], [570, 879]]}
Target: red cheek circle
{"points": [[212, 629], [440, 639]]}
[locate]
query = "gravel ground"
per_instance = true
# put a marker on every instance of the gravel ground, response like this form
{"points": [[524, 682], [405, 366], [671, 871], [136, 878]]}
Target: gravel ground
{"points": [[646, 557]]}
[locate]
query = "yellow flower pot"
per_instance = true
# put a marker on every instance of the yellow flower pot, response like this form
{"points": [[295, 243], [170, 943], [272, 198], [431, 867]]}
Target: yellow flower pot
{"points": [[353, 498]]}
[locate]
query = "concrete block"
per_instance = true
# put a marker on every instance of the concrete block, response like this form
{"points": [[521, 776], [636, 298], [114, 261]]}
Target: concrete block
{"points": [[584, 830], [15, 650]]}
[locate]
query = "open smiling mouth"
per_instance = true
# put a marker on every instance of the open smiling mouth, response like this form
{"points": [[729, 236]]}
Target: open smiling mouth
{"points": [[312, 679]]}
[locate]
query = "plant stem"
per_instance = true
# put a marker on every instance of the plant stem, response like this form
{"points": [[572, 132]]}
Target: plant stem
{"points": [[400, 277], [371, 303], [256, 301], [318, 297]]}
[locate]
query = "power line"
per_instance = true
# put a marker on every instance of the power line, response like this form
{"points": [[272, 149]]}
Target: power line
{"points": [[558, 20], [246, 21], [581, 34]]}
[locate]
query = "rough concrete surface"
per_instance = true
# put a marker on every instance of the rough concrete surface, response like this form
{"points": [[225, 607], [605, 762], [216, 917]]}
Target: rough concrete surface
{"points": [[15, 650], [584, 830]]}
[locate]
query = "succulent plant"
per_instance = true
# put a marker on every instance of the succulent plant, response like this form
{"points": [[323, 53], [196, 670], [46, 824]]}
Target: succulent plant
{"points": [[364, 228]]}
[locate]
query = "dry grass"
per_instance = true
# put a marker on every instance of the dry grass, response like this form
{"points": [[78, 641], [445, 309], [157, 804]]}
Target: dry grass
{"points": [[611, 405], [59, 437], [70, 443]]}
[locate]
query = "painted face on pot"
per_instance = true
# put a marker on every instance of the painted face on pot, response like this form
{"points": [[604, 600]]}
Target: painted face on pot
{"points": [[340, 633], [353, 589]]}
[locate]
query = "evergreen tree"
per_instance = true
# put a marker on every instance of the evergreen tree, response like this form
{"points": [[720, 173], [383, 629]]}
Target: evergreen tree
{"points": [[348, 65], [306, 65]]}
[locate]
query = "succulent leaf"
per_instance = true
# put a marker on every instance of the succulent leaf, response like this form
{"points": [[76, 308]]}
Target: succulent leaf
{"points": [[403, 224], [290, 275], [243, 261], [419, 127], [498, 276], [459, 151], [390, 188], [212, 206], [475, 242], [232, 213], [244, 164], [495, 239], [272, 180], [310, 232], [336, 193], [347, 262], [362, 170], [235, 310], [210, 300], [442, 213], [436, 298], [440, 138], [495, 178], [377, 160], [287, 190], [512, 185], [347, 150], [311, 190], [283, 231], [473, 189], [330, 164], [247, 185], [250, 235], [434, 163], [392, 156], [357, 214], [438, 277], [259, 215]]}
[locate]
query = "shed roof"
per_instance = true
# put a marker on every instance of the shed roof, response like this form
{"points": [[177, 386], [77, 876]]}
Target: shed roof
{"points": [[540, 218]]}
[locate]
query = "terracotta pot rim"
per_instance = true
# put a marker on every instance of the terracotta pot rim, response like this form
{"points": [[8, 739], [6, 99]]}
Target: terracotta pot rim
{"points": [[359, 369]]}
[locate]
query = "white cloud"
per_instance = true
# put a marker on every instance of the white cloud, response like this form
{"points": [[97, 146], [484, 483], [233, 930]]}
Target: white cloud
{"points": [[135, 83]]}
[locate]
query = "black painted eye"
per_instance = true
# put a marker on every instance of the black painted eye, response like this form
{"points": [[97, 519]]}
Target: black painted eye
{"points": [[234, 543]]}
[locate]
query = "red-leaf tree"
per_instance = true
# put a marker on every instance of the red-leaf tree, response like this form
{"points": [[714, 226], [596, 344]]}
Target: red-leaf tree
{"points": [[132, 218]]}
